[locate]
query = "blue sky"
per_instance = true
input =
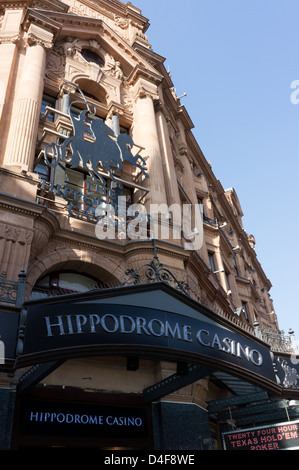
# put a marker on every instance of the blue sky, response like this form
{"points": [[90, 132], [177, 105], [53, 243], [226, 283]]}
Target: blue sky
{"points": [[236, 60]]}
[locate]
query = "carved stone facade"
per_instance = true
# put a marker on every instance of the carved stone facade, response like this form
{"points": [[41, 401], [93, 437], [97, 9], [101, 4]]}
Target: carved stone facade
{"points": [[49, 51]]}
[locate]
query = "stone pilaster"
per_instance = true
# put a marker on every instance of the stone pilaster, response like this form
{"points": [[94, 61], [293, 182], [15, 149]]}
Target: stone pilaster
{"points": [[9, 43], [15, 243], [167, 160]]}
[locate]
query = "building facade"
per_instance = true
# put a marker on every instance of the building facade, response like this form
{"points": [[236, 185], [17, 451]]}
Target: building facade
{"points": [[133, 304]]}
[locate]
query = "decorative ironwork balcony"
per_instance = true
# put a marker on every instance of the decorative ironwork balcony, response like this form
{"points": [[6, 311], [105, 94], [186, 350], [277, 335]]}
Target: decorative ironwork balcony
{"points": [[12, 292]]}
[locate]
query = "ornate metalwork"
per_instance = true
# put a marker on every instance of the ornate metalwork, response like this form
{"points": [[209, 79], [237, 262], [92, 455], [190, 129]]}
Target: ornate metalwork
{"points": [[290, 374], [278, 341], [12, 292], [8, 290], [155, 272], [93, 144]]}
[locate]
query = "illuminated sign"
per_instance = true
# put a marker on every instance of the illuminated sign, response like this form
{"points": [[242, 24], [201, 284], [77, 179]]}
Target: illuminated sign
{"points": [[82, 419], [274, 437]]}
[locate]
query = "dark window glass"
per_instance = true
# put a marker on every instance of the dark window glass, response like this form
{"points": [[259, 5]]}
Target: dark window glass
{"points": [[91, 56], [245, 310], [51, 102], [212, 261], [236, 267], [64, 283]]}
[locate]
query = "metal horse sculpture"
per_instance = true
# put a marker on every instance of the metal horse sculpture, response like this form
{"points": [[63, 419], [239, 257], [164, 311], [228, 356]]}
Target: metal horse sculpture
{"points": [[125, 143], [104, 149]]}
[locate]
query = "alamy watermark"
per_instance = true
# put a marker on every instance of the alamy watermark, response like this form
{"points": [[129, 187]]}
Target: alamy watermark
{"points": [[295, 94], [2, 352], [174, 222]]}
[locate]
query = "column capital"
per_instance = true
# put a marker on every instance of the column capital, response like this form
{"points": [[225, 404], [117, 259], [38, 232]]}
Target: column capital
{"points": [[144, 83], [40, 37], [115, 108], [145, 89], [40, 29]]}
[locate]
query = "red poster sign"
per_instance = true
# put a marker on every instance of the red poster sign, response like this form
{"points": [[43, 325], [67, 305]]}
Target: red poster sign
{"points": [[274, 437]]}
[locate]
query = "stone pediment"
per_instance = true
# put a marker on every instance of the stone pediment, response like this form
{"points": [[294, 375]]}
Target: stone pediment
{"points": [[96, 29], [125, 18], [49, 5]]}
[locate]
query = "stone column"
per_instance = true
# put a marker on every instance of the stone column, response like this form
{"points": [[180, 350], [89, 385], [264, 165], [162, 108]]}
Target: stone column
{"points": [[188, 179], [23, 130], [145, 134]]}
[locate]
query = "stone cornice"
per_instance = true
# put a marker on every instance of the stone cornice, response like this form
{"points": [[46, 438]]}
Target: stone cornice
{"points": [[13, 5], [163, 248], [113, 9], [124, 250], [54, 5], [150, 56], [30, 209], [9, 38], [33, 17], [142, 72]]}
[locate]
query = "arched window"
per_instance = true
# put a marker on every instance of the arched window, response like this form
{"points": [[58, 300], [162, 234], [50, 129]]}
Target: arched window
{"points": [[93, 57], [59, 283], [93, 90]]}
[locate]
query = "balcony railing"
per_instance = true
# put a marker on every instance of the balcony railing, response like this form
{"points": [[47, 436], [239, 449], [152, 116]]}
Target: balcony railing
{"points": [[12, 292]]}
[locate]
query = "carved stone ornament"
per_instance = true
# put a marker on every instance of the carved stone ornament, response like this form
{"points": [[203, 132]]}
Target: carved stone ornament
{"points": [[123, 23], [6, 38], [66, 60], [16, 234], [55, 66]]}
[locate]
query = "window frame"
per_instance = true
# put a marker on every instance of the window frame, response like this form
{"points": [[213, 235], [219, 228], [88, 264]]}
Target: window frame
{"points": [[211, 256]]}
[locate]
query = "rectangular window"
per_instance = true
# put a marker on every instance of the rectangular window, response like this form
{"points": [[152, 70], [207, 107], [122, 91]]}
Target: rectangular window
{"points": [[51, 102], [201, 206], [245, 310], [227, 280], [42, 170], [212, 261], [236, 267], [85, 192]]}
